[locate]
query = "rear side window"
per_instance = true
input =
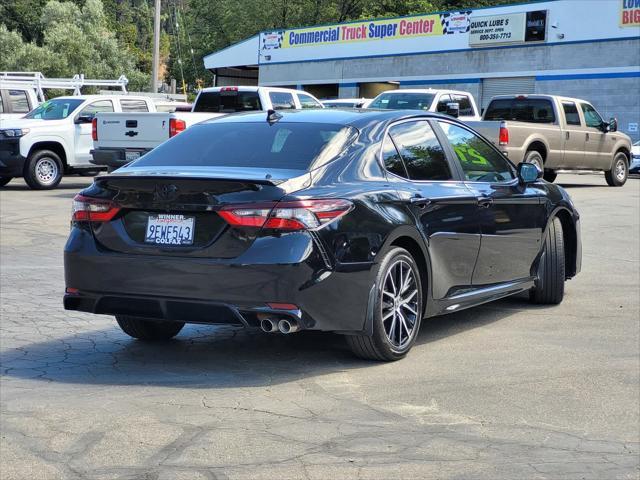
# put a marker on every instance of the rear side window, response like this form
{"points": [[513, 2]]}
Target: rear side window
{"points": [[282, 100], [421, 151], [391, 158], [403, 101], [571, 113], [97, 107], [307, 101], [480, 162], [19, 101], [530, 110], [134, 106], [466, 109], [297, 146], [227, 101]]}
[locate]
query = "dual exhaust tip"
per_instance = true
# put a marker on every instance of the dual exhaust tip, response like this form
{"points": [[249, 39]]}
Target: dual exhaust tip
{"points": [[273, 325]]}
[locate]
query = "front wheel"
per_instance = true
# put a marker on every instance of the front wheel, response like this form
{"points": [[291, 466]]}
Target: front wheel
{"points": [[144, 329], [5, 180], [549, 286], [617, 176], [398, 310], [43, 170]]}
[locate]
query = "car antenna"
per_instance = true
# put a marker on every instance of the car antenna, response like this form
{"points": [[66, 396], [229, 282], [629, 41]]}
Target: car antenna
{"points": [[273, 116]]}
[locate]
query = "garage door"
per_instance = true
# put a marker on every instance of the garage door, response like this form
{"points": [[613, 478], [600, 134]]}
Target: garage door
{"points": [[506, 86]]}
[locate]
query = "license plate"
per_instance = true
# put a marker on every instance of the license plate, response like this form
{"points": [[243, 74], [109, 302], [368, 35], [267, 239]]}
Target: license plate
{"points": [[165, 229], [131, 156]]}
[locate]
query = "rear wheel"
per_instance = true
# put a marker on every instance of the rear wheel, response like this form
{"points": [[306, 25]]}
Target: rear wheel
{"points": [[144, 329], [549, 286], [5, 180], [398, 310], [550, 176], [617, 176], [535, 157], [43, 170]]}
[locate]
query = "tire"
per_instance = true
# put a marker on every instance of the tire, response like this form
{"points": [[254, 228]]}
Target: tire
{"points": [[550, 176], [549, 286], [151, 330], [535, 157], [617, 176], [43, 170], [390, 341], [5, 180]]}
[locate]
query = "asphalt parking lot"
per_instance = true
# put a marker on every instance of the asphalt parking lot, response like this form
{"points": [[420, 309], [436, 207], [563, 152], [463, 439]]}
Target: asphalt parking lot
{"points": [[506, 390]]}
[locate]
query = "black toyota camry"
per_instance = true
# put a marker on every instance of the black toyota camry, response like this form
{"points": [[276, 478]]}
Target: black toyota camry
{"points": [[362, 223]]}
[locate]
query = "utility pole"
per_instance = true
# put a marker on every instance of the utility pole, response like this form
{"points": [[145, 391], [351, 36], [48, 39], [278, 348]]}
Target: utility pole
{"points": [[156, 47]]}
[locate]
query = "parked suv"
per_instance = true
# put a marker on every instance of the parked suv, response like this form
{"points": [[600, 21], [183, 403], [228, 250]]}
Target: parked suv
{"points": [[559, 133], [452, 102], [55, 138], [15, 102]]}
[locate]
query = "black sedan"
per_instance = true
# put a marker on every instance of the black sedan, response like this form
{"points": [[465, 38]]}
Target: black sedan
{"points": [[362, 223]]}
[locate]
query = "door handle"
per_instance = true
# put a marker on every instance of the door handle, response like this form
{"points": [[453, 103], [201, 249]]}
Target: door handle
{"points": [[485, 202], [566, 135], [419, 200], [587, 136]]}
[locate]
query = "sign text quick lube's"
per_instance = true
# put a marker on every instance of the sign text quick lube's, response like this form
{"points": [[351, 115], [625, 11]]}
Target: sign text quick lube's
{"points": [[422, 25]]}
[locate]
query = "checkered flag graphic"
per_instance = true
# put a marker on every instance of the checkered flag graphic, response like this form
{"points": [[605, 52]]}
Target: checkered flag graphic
{"points": [[272, 40], [455, 22]]}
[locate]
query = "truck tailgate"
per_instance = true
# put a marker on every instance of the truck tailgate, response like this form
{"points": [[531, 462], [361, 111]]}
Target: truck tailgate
{"points": [[132, 130]]}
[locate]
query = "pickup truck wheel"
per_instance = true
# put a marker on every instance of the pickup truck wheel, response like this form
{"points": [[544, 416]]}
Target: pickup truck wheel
{"points": [[43, 170], [534, 157], [144, 329], [549, 286], [617, 176], [550, 176], [5, 180]]}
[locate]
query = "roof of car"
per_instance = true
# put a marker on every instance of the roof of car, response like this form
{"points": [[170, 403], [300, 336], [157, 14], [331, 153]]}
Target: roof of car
{"points": [[356, 117], [425, 90], [101, 97]]}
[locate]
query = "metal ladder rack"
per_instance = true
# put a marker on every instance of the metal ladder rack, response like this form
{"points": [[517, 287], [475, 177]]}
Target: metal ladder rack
{"points": [[39, 82]]}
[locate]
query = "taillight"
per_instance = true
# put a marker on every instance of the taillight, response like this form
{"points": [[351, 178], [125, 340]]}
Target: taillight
{"points": [[94, 129], [296, 215], [229, 89], [504, 134], [176, 126], [87, 209]]}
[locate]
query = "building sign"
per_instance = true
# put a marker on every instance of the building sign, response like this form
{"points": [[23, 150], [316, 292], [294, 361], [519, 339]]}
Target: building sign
{"points": [[630, 13], [371, 30], [508, 28]]}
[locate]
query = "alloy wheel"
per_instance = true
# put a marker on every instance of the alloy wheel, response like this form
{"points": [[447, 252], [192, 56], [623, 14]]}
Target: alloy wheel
{"points": [[46, 170], [400, 300], [621, 170]]}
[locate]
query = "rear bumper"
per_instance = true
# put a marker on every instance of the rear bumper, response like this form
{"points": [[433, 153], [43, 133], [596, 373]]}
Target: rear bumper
{"points": [[112, 157], [203, 290], [11, 162]]}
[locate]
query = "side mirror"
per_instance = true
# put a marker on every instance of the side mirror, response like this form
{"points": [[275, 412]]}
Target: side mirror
{"points": [[612, 126], [453, 109], [84, 119], [528, 173]]}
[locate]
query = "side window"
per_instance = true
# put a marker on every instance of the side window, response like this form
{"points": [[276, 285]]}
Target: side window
{"points": [[421, 151], [19, 101], [466, 109], [442, 103], [282, 100], [307, 101], [480, 162], [591, 117], [391, 158], [97, 107], [134, 106], [571, 113]]}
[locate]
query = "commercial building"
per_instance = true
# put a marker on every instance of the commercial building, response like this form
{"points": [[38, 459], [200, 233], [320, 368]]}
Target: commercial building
{"points": [[581, 48]]}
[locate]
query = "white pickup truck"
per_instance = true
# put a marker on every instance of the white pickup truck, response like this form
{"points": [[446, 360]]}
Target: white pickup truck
{"points": [[55, 138], [15, 102], [120, 138]]}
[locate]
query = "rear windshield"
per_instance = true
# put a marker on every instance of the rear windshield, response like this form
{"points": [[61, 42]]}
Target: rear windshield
{"points": [[531, 110], [293, 146], [227, 101], [403, 101]]}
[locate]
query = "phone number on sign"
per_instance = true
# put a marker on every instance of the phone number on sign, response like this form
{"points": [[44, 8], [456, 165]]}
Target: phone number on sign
{"points": [[496, 36]]}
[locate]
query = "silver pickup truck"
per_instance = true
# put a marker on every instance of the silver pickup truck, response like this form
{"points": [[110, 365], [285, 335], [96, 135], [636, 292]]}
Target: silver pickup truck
{"points": [[558, 133]]}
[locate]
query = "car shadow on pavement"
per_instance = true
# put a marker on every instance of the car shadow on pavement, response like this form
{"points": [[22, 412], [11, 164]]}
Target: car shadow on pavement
{"points": [[214, 356], [21, 187]]}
